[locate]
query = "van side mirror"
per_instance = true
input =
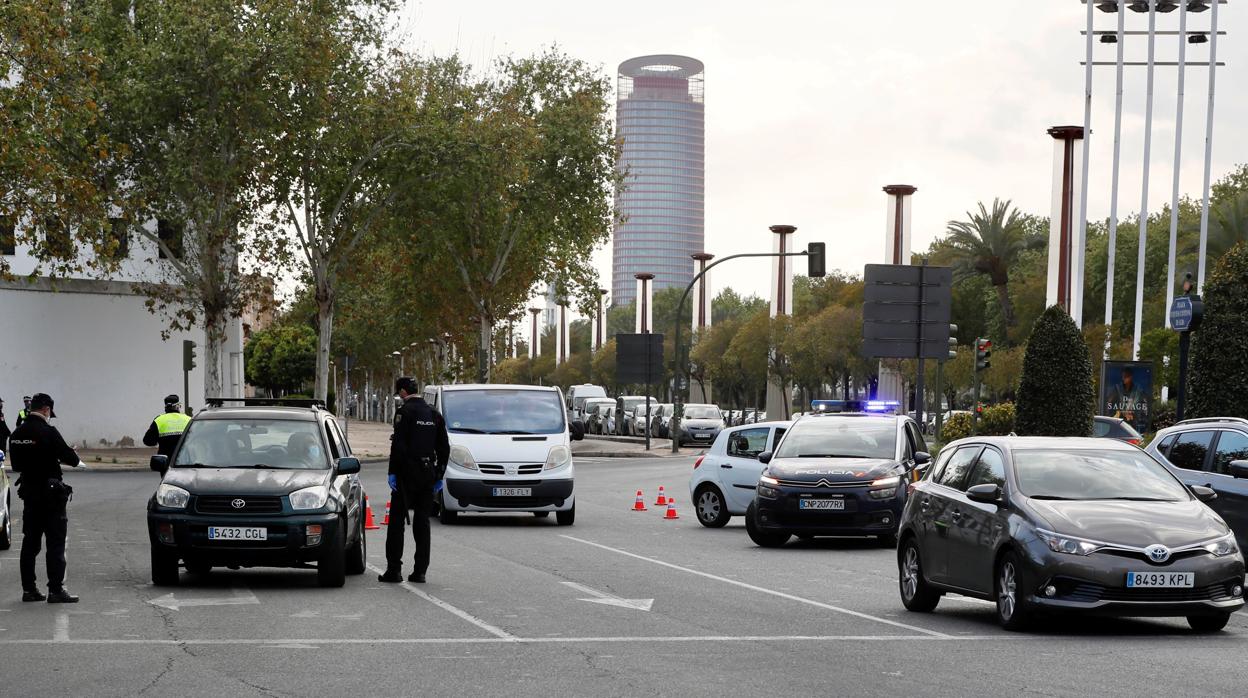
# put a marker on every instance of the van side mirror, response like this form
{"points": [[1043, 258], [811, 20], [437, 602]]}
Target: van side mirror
{"points": [[577, 431], [986, 493], [1203, 493], [348, 465], [1239, 469], [765, 457], [159, 463]]}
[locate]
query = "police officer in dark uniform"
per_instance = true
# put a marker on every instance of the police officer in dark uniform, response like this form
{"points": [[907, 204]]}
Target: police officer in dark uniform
{"points": [[419, 450], [38, 451], [167, 428]]}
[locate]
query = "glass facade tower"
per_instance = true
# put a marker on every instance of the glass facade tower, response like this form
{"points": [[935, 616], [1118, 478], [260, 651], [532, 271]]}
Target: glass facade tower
{"points": [[660, 119]]}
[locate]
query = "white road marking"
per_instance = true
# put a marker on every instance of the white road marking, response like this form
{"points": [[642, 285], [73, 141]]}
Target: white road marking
{"points": [[606, 599], [491, 629], [762, 590], [239, 597], [61, 632], [538, 640]]}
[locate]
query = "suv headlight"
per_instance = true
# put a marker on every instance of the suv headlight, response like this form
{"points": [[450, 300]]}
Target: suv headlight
{"points": [[558, 457], [1068, 544], [309, 497], [1221, 547], [172, 497], [462, 457]]}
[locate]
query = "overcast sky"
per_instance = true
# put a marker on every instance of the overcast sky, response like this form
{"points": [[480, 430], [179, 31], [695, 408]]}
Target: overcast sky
{"points": [[812, 107]]}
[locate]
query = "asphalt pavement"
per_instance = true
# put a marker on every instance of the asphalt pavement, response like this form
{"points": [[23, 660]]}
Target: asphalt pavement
{"points": [[622, 603]]}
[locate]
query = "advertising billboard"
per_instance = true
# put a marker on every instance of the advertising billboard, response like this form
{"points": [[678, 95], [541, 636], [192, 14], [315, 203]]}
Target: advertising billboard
{"points": [[1127, 392]]}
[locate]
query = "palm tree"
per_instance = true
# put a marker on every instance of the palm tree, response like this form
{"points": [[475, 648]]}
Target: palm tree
{"points": [[989, 243]]}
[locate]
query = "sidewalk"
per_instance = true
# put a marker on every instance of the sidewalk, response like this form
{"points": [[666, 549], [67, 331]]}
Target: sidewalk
{"points": [[372, 440]]}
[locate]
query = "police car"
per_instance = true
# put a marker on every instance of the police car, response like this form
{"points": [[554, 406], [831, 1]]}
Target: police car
{"points": [[267, 483]]}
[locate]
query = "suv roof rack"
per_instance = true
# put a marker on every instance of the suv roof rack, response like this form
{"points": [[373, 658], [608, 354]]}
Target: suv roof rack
{"points": [[267, 402], [1200, 420]]}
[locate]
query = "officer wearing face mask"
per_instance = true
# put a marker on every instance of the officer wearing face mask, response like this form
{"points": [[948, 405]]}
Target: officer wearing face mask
{"points": [[419, 450], [38, 451]]}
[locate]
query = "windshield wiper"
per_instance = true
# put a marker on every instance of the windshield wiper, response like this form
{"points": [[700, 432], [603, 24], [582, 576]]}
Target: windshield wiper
{"points": [[514, 432], [830, 455], [1140, 499], [254, 465], [1056, 497], [466, 430]]}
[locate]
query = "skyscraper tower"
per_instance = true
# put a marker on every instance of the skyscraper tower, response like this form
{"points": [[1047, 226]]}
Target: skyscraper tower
{"points": [[660, 117]]}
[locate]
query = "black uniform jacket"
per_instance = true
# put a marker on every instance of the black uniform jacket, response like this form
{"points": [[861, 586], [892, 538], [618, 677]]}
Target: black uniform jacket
{"points": [[37, 451], [420, 447]]}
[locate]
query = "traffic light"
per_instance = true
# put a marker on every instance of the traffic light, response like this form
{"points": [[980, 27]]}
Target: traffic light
{"points": [[983, 350], [816, 259], [188, 355], [953, 341]]}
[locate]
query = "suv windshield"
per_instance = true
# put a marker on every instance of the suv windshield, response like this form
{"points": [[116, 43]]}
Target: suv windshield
{"points": [[835, 437], [1080, 474], [702, 412], [252, 443], [489, 411]]}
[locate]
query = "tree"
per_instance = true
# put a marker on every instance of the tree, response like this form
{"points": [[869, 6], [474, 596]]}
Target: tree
{"points": [[730, 305], [988, 243], [528, 197], [1055, 392], [603, 366], [1219, 375], [281, 358]]}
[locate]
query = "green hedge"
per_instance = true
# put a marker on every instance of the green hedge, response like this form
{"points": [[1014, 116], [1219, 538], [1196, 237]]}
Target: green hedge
{"points": [[1055, 391], [1218, 385]]}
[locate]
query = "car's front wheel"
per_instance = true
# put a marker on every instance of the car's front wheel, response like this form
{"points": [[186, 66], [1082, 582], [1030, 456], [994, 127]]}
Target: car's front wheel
{"points": [[916, 594], [1208, 624], [711, 507], [6, 532], [566, 518], [331, 569], [357, 555], [164, 568], [766, 539], [1013, 612]]}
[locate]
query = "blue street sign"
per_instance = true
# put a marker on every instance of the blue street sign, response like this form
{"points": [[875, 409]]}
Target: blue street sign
{"points": [[1181, 314]]}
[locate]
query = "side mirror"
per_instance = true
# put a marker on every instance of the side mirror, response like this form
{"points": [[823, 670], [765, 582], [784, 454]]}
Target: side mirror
{"points": [[765, 457], [987, 493], [1239, 468], [577, 431], [348, 465], [1203, 493], [159, 463], [922, 458]]}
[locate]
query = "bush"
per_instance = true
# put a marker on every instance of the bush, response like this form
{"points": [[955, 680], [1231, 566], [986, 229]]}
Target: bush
{"points": [[1219, 375], [958, 426], [1055, 392], [997, 420]]}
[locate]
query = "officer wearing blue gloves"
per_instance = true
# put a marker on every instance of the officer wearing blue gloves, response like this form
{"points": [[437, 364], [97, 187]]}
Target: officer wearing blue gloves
{"points": [[419, 450]]}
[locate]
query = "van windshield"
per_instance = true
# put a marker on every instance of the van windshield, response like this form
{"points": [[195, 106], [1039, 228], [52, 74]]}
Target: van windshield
{"points": [[501, 411]]}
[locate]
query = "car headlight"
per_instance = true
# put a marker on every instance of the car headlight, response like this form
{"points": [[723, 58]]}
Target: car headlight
{"points": [[768, 492], [172, 497], [1068, 544], [463, 458], [768, 480], [309, 497], [558, 457], [886, 487], [1221, 547]]}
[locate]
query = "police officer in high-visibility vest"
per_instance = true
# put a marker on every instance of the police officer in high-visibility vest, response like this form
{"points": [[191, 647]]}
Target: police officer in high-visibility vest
{"points": [[167, 428], [21, 414]]}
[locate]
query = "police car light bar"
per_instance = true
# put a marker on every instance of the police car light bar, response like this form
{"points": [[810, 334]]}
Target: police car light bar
{"points": [[882, 406]]}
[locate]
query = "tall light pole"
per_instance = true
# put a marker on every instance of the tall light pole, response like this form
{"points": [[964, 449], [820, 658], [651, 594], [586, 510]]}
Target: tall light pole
{"points": [[1204, 200]]}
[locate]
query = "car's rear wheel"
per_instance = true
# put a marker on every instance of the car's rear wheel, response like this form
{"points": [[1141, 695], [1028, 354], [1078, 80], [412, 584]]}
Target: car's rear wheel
{"points": [[164, 568], [765, 539], [916, 594], [357, 555], [566, 518], [1013, 612], [331, 569], [711, 508], [1208, 624]]}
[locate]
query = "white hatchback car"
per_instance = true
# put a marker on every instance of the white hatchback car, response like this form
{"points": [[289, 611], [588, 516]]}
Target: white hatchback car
{"points": [[723, 481]]}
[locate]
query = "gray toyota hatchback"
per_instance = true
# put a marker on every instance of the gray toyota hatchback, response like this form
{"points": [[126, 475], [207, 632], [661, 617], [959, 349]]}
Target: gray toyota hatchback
{"points": [[1066, 524]]}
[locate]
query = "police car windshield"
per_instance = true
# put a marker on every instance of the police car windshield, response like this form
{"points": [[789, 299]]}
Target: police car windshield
{"points": [[503, 411], [839, 437], [252, 443]]}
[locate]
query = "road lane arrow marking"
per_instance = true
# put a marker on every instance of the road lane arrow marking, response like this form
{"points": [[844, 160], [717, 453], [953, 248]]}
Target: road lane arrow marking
{"points": [[606, 599], [240, 597]]}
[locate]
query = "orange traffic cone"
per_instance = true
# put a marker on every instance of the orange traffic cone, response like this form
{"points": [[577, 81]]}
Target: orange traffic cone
{"points": [[671, 509], [369, 523], [386, 521], [662, 500], [640, 504]]}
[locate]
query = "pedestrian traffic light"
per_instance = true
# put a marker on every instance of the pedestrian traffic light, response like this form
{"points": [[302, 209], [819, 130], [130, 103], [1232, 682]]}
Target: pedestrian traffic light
{"points": [[953, 341], [983, 350], [188, 355], [816, 259]]}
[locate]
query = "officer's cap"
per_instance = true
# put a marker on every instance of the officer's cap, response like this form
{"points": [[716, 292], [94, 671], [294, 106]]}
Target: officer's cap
{"points": [[171, 400], [405, 383], [39, 401]]}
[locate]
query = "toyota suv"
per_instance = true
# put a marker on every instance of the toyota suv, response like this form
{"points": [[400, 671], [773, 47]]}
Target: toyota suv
{"points": [[266, 483]]}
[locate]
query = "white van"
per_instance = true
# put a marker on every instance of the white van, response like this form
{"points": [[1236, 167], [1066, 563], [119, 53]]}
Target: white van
{"points": [[511, 450], [577, 395]]}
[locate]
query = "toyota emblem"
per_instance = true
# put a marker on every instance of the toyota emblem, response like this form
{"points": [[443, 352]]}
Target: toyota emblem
{"points": [[240, 503], [1157, 553]]}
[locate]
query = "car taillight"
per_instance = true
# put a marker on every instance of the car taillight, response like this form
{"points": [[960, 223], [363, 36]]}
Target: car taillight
{"points": [[698, 462], [1135, 442]]}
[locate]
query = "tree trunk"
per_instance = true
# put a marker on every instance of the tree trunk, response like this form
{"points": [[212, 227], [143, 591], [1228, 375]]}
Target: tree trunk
{"points": [[214, 341], [1007, 308], [324, 336], [483, 348]]}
